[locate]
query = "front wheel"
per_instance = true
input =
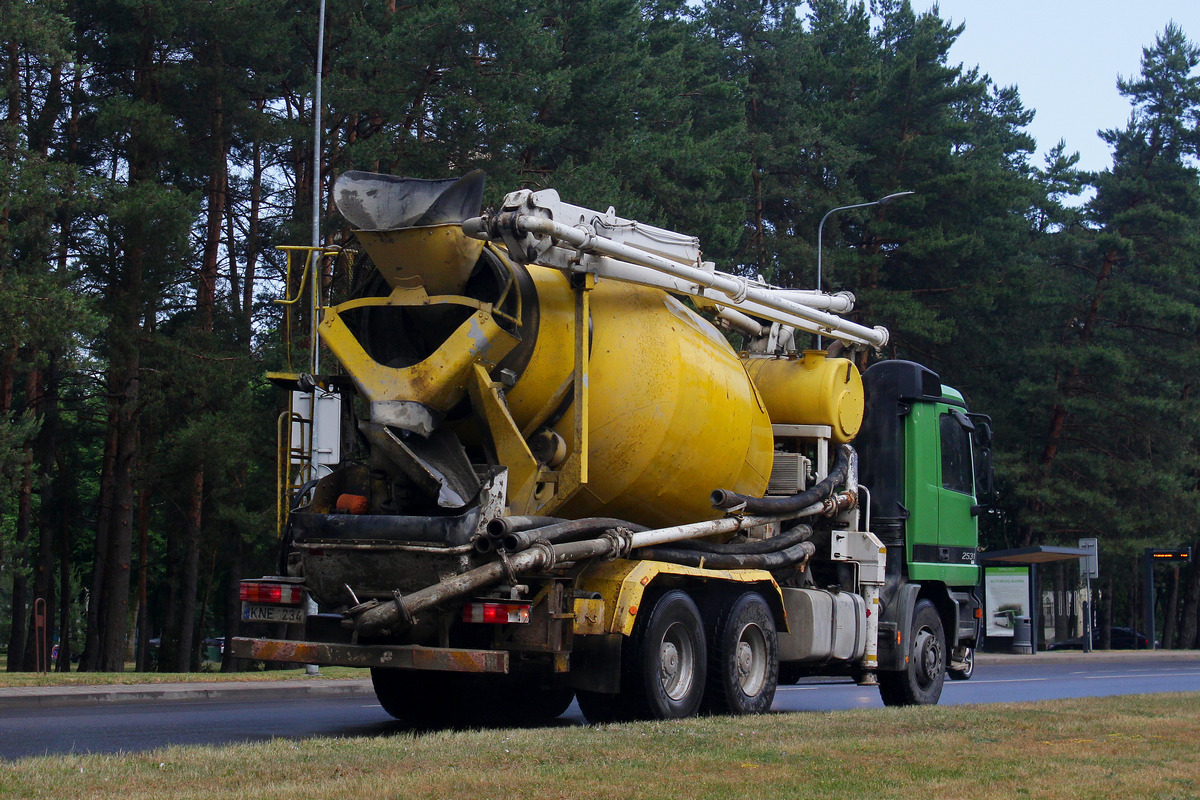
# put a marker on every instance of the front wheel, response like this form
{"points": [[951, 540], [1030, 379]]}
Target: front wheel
{"points": [[665, 662], [743, 664], [920, 682]]}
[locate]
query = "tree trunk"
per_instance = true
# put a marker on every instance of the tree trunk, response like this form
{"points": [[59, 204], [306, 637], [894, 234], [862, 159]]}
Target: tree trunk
{"points": [[206, 292], [45, 402], [20, 583], [65, 598], [232, 602], [119, 555], [190, 575], [142, 651], [252, 235], [90, 659], [118, 501]]}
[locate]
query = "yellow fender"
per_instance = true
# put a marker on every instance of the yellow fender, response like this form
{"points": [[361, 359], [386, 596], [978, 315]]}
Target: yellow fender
{"points": [[622, 584]]}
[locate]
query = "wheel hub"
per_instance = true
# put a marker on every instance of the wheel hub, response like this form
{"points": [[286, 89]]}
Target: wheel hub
{"points": [[751, 660], [930, 662], [676, 662], [670, 661], [745, 660]]}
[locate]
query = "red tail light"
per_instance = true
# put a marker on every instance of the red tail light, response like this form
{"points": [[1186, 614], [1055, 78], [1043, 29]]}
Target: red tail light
{"points": [[496, 613], [287, 594]]}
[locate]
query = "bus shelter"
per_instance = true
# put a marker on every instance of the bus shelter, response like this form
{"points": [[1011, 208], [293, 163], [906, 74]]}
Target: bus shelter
{"points": [[1012, 591]]}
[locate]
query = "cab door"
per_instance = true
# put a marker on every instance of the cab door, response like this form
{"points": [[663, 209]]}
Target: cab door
{"points": [[958, 526]]}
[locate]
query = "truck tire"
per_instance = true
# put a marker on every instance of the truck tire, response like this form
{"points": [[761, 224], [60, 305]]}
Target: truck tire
{"points": [[419, 699], [743, 657], [530, 702], [920, 682], [457, 700], [665, 661]]}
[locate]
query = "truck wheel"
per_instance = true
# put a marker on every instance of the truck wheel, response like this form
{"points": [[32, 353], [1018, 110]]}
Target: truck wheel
{"points": [[443, 700], [666, 660], [531, 702], [743, 657], [419, 699], [920, 683], [968, 669]]}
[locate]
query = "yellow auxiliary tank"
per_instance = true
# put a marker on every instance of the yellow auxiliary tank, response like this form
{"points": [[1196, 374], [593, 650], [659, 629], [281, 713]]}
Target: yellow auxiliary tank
{"points": [[811, 390]]}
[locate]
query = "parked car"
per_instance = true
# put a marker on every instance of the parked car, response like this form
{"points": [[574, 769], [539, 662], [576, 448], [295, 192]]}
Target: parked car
{"points": [[1122, 639]]}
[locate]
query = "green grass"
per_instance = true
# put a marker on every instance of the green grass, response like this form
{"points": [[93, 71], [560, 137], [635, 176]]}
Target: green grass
{"points": [[1119, 747], [21, 679]]}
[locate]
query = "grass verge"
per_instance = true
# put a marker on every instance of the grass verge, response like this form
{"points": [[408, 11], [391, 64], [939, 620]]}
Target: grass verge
{"points": [[23, 679], [1119, 747]]}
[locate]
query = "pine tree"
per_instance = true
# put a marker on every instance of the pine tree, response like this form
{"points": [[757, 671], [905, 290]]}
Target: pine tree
{"points": [[1115, 453], [36, 199]]}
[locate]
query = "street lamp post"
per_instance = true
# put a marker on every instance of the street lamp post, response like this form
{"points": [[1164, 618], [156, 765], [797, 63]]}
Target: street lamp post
{"points": [[315, 266], [883, 201]]}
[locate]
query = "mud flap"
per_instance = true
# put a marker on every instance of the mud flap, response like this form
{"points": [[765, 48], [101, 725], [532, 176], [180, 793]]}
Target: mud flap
{"points": [[894, 626]]}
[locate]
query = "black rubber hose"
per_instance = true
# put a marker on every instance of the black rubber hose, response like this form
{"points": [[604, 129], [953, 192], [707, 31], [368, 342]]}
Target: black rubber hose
{"points": [[502, 526], [800, 533], [691, 558], [769, 506], [565, 532]]}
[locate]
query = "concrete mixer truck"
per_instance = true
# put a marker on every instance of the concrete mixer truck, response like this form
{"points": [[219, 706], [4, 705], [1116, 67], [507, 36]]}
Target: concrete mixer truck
{"points": [[558, 479]]}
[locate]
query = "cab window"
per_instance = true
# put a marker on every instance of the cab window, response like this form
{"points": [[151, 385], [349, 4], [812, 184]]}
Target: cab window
{"points": [[956, 455]]}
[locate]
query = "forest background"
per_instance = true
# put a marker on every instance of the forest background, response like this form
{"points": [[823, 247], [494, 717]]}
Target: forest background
{"points": [[156, 152]]}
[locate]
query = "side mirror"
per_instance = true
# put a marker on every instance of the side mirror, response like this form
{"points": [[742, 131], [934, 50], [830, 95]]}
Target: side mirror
{"points": [[985, 484]]}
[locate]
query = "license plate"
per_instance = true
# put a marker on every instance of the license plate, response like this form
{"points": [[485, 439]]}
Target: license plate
{"points": [[253, 612]]}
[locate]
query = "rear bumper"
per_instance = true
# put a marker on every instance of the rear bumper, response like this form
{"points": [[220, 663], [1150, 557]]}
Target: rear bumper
{"points": [[443, 659]]}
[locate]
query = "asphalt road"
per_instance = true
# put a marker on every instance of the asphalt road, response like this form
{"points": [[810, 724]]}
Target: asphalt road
{"points": [[150, 724]]}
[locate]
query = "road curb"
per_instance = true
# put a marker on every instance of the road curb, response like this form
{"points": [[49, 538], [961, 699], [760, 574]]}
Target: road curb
{"points": [[1078, 657], [227, 692]]}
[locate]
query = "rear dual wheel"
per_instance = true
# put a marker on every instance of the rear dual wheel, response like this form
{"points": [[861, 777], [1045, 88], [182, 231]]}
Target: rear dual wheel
{"points": [[674, 665], [743, 664], [664, 664], [665, 661]]}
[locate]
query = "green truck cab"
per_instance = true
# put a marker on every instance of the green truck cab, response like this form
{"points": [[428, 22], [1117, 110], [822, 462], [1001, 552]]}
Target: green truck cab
{"points": [[926, 461]]}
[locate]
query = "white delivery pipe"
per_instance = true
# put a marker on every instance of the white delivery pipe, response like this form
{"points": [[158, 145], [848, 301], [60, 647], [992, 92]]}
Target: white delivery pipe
{"points": [[735, 290], [739, 321], [838, 303]]}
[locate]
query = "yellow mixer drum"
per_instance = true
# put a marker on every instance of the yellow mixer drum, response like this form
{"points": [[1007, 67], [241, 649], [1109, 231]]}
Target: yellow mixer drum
{"points": [[673, 413], [811, 390]]}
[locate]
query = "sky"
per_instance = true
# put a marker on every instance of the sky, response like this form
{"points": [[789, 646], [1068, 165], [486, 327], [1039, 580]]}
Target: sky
{"points": [[1064, 56]]}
